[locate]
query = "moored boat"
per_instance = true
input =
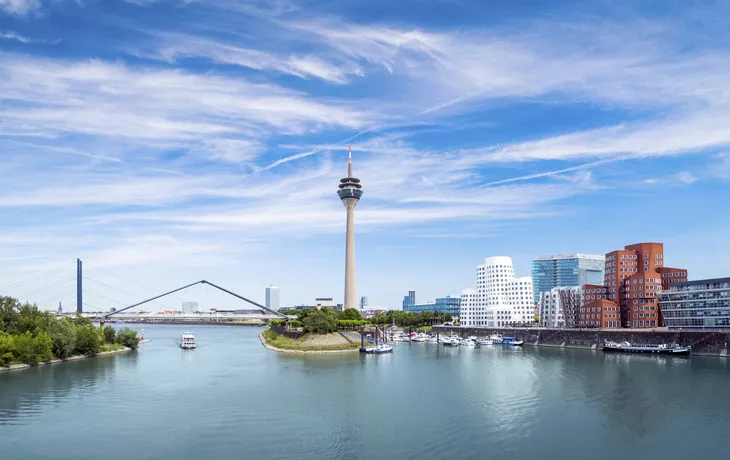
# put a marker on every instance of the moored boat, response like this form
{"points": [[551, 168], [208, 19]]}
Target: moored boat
{"points": [[187, 340], [451, 341], [378, 349], [662, 349]]}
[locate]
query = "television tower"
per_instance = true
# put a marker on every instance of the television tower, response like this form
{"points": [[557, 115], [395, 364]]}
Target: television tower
{"points": [[350, 192]]}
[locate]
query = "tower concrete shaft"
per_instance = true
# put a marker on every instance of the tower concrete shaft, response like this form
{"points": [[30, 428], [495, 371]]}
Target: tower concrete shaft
{"points": [[350, 191], [350, 286]]}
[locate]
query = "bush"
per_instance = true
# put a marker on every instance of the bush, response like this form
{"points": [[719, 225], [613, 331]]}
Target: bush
{"points": [[110, 334], [295, 323], [350, 323], [128, 338], [87, 341], [7, 349], [33, 350], [63, 335], [320, 322], [277, 322]]}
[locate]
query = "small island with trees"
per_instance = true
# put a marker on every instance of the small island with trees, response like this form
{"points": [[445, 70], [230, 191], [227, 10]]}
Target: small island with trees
{"points": [[317, 331], [29, 337]]}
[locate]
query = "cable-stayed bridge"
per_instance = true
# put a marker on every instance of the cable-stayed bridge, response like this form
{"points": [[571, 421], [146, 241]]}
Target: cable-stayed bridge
{"points": [[57, 280]]}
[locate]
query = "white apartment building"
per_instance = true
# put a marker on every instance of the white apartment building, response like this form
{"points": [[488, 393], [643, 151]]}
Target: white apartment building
{"points": [[273, 298], [559, 307], [501, 299]]}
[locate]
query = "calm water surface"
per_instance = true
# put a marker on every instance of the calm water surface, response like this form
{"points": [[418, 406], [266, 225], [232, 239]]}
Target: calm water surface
{"points": [[232, 399]]}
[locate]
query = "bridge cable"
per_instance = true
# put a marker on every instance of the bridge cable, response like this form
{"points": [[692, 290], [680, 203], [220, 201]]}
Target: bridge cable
{"points": [[26, 297], [137, 296], [36, 277]]}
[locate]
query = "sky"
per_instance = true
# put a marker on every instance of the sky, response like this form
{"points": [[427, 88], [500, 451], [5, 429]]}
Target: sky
{"points": [[167, 141]]}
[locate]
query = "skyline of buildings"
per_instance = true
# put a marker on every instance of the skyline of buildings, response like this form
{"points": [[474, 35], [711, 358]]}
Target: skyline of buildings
{"points": [[564, 270]]}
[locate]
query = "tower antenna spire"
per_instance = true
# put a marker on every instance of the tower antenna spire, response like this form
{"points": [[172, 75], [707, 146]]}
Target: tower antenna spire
{"points": [[349, 162]]}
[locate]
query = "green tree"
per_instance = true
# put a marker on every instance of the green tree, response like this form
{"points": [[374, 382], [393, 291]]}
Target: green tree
{"points": [[110, 334], [33, 350], [447, 317], [9, 314], [350, 314], [7, 348], [63, 335], [87, 341], [320, 322], [128, 338]]}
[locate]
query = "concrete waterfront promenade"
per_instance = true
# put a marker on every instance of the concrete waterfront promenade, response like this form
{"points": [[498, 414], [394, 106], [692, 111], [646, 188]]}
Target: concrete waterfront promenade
{"points": [[702, 343]]}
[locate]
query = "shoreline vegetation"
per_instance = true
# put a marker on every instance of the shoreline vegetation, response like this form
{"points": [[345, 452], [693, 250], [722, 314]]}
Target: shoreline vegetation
{"points": [[308, 343], [31, 337], [20, 366]]}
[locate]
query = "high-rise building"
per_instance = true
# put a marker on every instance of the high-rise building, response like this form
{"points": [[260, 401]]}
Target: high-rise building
{"points": [[563, 270], [409, 300], [350, 191], [559, 307], [189, 307], [634, 277], [442, 305], [502, 299], [699, 305], [363, 302], [273, 301]]}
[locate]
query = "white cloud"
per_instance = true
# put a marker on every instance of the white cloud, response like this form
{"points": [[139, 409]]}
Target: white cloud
{"points": [[19, 7], [686, 177]]}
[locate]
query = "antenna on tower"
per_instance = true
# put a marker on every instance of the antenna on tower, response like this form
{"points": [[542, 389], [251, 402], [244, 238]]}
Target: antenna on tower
{"points": [[349, 162]]}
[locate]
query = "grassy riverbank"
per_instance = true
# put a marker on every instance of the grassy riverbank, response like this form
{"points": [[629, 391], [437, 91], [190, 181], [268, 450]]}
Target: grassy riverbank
{"points": [[308, 342]]}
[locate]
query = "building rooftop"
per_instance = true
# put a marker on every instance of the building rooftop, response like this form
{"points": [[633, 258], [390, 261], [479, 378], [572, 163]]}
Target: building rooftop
{"points": [[577, 255], [701, 282]]}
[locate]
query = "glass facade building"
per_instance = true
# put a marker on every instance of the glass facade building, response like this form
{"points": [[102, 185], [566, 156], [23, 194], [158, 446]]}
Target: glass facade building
{"points": [[448, 304], [409, 300], [701, 304], [565, 270]]}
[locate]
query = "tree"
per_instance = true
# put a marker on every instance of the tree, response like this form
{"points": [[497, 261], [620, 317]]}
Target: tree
{"points": [[33, 350], [128, 338], [63, 335], [351, 314], [320, 322], [110, 334], [447, 317], [7, 349], [87, 340]]}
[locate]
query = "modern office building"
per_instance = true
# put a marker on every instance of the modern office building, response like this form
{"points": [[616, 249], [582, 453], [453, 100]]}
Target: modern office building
{"points": [[350, 191], [559, 307], [273, 298], [409, 300], [501, 298], [448, 304], [363, 302], [190, 307], [633, 278], [325, 302], [563, 270], [700, 304]]}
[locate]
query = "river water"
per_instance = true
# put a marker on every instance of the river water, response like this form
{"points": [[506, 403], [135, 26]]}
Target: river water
{"points": [[233, 399]]}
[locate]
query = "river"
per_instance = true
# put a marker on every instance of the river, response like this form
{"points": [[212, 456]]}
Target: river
{"points": [[233, 399]]}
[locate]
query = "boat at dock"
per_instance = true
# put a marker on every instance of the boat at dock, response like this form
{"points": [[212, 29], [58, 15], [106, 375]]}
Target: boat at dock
{"points": [[187, 340], [378, 349], [662, 349], [451, 341], [499, 340]]}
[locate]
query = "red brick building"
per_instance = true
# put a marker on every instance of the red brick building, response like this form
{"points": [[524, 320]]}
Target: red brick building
{"points": [[632, 280]]}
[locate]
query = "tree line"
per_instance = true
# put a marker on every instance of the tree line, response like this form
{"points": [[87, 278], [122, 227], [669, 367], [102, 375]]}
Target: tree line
{"points": [[31, 336], [327, 321]]}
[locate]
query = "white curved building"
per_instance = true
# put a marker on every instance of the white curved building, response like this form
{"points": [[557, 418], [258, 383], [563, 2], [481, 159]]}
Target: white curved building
{"points": [[501, 298]]}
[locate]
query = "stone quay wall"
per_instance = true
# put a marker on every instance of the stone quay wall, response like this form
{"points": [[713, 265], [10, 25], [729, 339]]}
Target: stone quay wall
{"points": [[703, 343]]}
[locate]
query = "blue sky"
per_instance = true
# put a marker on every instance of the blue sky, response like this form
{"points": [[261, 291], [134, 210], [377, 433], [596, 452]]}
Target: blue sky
{"points": [[169, 141]]}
